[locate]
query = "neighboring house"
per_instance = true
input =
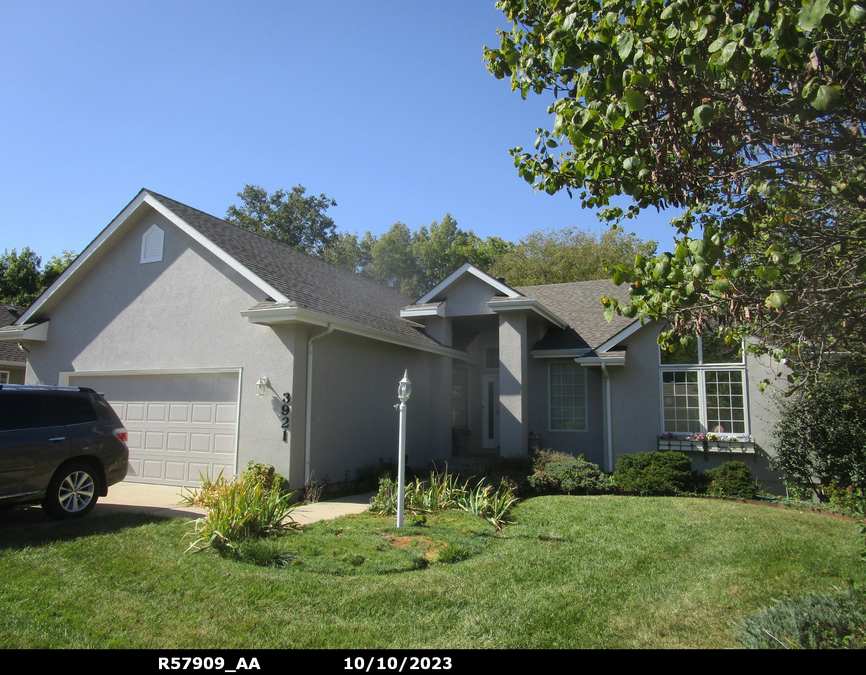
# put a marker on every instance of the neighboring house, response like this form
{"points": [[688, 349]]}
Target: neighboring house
{"points": [[218, 346], [13, 359]]}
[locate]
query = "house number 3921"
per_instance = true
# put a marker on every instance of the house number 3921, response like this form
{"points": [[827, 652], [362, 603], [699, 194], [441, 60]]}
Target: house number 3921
{"points": [[286, 415]]}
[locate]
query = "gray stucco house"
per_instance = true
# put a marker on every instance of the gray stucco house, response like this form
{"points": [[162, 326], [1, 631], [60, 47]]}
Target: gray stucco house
{"points": [[217, 346]]}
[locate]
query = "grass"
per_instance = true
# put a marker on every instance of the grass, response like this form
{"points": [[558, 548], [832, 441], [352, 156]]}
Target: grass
{"points": [[603, 572]]}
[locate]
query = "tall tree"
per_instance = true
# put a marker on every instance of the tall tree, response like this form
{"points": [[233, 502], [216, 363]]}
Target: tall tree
{"points": [[22, 279], [569, 254], [751, 116], [291, 218]]}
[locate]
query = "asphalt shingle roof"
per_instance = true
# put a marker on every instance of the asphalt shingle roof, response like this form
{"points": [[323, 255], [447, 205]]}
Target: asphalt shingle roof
{"points": [[308, 282], [9, 351], [579, 303]]}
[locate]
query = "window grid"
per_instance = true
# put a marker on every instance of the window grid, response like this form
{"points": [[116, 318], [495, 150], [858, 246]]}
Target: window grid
{"points": [[567, 396], [704, 397]]}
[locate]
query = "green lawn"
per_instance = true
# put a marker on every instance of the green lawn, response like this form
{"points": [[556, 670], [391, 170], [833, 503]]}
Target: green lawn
{"points": [[603, 572]]}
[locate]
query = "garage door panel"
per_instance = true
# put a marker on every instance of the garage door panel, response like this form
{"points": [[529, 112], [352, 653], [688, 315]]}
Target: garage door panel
{"points": [[180, 425], [179, 412]]}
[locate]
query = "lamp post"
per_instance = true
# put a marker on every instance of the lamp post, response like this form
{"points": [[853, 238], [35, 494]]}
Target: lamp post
{"points": [[404, 390]]}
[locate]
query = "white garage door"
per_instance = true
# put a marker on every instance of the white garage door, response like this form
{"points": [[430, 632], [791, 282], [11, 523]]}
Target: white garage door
{"points": [[181, 425]]}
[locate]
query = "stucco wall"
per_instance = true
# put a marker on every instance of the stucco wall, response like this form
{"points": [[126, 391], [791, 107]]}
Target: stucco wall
{"points": [[354, 394], [637, 411]]}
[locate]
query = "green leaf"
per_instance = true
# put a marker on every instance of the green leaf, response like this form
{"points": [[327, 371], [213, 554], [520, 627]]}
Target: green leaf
{"points": [[717, 44], [777, 299], [697, 246], [727, 52], [608, 313], [812, 14], [722, 285], [703, 115], [635, 100], [857, 14], [631, 163], [827, 97], [625, 44]]}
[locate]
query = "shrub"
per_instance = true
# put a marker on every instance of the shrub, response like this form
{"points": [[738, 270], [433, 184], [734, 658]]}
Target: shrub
{"points": [[654, 473], [565, 474], [821, 434], [731, 479], [255, 504], [817, 621], [444, 491]]}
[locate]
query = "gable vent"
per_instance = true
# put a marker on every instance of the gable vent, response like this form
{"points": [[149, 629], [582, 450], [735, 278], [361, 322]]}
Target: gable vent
{"points": [[151, 245]]}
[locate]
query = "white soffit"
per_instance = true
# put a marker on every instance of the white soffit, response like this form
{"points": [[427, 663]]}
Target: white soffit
{"points": [[431, 309], [273, 315], [523, 303], [37, 332]]}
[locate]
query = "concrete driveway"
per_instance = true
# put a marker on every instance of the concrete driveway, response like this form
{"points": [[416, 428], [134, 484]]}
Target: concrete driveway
{"points": [[163, 500]]}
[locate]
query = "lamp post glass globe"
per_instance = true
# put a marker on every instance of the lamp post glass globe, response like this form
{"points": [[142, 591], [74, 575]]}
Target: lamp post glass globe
{"points": [[405, 388]]}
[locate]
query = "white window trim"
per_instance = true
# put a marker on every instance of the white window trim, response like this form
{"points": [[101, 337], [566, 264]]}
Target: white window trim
{"points": [[702, 369], [585, 401], [153, 231], [4, 376]]}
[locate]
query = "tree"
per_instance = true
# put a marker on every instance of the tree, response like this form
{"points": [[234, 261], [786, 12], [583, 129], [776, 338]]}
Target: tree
{"points": [[290, 218], [413, 262], [22, 280], [821, 435], [569, 254], [749, 115]]}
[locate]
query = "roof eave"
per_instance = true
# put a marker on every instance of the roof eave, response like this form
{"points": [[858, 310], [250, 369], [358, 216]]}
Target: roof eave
{"points": [[278, 315], [25, 333], [526, 304]]}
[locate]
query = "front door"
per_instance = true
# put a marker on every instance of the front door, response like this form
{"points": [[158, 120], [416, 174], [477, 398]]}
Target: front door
{"points": [[490, 411]]}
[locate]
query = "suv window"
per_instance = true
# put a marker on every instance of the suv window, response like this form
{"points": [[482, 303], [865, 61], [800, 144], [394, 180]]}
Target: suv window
{"points": [[69, 410], [21, 411]]}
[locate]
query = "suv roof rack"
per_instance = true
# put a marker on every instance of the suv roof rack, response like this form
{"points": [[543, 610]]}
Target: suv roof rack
{"points": [[43, 387]]}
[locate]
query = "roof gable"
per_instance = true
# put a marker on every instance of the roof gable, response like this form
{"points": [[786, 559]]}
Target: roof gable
{"points": [[284, 275], [438, 292]]}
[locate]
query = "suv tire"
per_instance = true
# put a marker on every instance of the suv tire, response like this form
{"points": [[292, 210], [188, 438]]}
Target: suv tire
{"points": [[72, 492]]}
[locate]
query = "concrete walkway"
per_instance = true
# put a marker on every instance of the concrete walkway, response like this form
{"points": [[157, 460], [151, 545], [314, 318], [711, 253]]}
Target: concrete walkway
{"points": [[163, 500]]}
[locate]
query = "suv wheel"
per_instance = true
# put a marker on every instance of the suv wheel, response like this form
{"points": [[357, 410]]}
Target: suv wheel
{"points": [[72, 492]]}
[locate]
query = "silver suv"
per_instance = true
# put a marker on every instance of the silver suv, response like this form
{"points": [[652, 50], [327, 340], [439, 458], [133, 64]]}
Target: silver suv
{"points": [[59, 446]]}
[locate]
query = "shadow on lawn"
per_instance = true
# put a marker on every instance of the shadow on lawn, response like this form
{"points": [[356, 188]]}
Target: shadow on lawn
{"points": [[23, 527]]}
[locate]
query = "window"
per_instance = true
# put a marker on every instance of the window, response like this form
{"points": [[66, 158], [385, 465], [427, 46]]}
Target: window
{"points": [[460, 396], [704, 390], [4, 377], [491, 357], [151, 245], [567, 396]]}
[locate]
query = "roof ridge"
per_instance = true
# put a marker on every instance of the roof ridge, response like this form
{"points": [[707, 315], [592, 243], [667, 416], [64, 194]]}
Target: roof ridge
{"points": [[295, 251]]}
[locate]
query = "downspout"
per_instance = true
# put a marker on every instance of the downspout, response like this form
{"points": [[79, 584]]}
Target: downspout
{"points": [[309, 406], [608, 423]]}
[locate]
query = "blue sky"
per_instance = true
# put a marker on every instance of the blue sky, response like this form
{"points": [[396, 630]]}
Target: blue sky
{"points": [[384, 105]]}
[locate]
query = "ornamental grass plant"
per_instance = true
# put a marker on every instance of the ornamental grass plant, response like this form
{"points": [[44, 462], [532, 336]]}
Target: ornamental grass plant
{"points": [[255, 504]]}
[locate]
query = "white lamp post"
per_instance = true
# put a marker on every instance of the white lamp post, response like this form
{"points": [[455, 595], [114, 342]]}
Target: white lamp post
{"points": [[404, 390]]}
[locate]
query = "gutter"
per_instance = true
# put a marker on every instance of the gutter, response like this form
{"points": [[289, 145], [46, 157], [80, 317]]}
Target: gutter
{"points": [[608, 423], [308, 422]]}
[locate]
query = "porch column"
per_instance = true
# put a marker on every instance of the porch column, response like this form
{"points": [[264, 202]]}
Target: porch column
{"points": [[513, 372]]}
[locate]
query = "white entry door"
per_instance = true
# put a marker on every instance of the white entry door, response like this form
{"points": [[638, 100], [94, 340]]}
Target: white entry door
{"points": [[490, 411]]}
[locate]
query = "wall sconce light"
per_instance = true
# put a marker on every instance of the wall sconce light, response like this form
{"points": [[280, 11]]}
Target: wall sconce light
{"points": [[261, 386]]}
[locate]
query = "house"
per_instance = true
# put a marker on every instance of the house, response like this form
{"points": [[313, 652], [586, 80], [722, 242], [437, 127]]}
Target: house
{"points": [[217, 346], [13, 359]]}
